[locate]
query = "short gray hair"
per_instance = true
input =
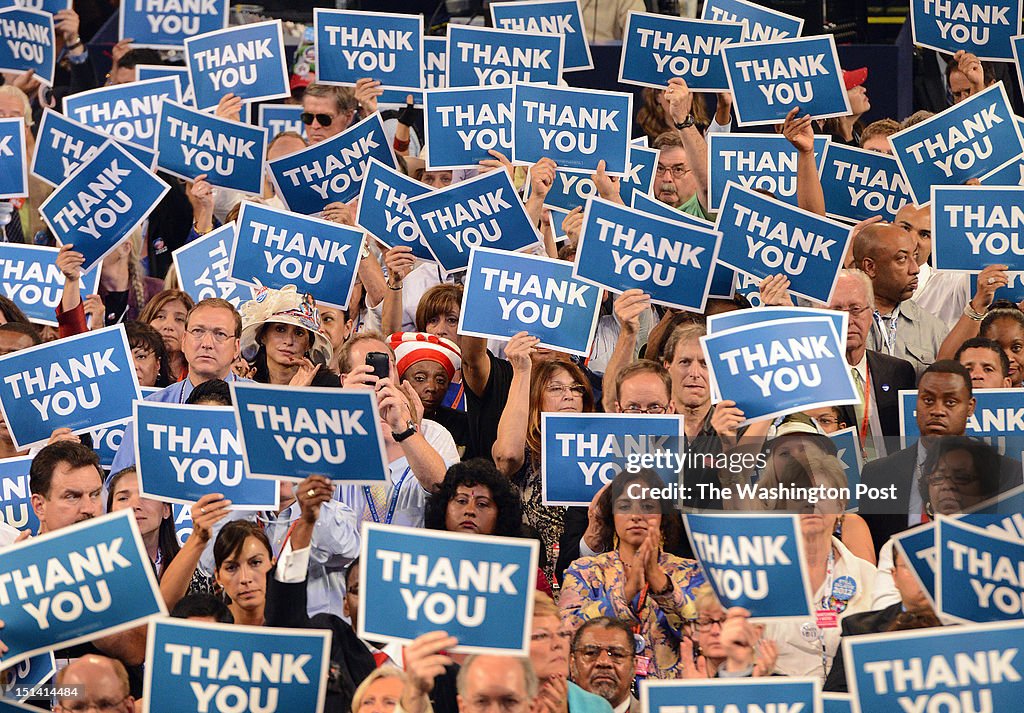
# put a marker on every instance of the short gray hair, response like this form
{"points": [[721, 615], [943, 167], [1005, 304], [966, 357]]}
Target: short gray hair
{"points": [[532, 683], [859, 274]]}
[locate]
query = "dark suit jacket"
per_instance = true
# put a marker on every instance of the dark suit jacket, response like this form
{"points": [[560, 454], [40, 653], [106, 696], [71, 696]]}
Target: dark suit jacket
{"points": [[888, 375], [868, 622]]}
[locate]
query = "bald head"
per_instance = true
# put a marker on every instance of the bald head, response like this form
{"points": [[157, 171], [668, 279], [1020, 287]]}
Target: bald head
{"points": [[506, 680], [98, 680], [870, 238], [888, 255]]}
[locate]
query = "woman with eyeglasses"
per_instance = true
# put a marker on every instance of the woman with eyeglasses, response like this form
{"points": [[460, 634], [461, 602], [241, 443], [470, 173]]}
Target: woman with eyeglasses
{"points": [[555, 386], [725, 644], [635, 579]]}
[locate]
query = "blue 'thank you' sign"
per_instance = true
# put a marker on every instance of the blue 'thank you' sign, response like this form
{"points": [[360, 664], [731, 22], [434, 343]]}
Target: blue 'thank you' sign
{"points": [[191, 143], [583, 452], [976, 226], [183, 452], [291, 433], [764, 162], [159, 71], [28, 43], [332, 170], [983, 27], [512, 293], [482, 56], [762, 237], [74, 584], [30, 277], [80, 382], [659, 47], [276, 248], [434, 63], [760, 24], [753, 561], [247, 61], [620, 249], [383, 210], [477, 588], [968, 140], [13, 161], [204, 267], [278, 118], [195, 665], [126, 112], [102, 203], [484, 211], [861, 184], [16, 496], [553, 17], [779, 367], [463, 124], [384, 46], [166, 24], [977, 577], [768, 80], [576, 128]]}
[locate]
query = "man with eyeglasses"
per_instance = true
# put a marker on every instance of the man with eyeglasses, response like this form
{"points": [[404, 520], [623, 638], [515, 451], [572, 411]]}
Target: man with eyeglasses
{"points": [[681, 180], [98, 684], [603, 661]]}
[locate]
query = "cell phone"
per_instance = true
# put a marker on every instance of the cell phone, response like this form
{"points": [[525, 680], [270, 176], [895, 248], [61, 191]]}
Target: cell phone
{"points": [[380, 363]]}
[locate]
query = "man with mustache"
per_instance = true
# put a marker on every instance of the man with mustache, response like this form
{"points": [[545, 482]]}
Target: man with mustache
{"points": [[681, 177], [603, 661]]}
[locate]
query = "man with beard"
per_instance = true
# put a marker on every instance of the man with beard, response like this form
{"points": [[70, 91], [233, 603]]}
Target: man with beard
{"points": [[603, 662]]}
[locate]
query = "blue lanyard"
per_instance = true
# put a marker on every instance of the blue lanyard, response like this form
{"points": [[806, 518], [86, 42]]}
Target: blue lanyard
{"points": [[394, 499], [888, 337]]}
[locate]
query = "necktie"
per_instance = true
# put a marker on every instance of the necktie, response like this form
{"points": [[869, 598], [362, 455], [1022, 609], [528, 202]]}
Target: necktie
{"points": [[863, 429]]}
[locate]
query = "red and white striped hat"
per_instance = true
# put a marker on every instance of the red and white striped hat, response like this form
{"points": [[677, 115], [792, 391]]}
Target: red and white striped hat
{"points": [[411, 347]]}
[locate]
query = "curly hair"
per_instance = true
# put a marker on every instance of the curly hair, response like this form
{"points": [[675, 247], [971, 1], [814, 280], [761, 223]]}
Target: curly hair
{"points": [[670, 522], [477, 471]]}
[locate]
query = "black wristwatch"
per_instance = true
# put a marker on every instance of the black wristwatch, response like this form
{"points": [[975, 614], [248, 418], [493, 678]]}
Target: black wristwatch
{"points": [[399, 437], [686, 123]]}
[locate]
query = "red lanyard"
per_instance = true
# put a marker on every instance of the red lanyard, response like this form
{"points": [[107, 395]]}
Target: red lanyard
{"points": [[284, 542], [867, 408]]}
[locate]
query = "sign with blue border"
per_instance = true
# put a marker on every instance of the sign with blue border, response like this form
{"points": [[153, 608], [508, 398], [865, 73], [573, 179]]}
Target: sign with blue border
{"points": [[28, 43]]}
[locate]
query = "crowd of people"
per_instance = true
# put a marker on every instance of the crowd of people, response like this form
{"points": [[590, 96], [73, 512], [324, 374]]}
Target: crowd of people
{"points": [[619, 594]]}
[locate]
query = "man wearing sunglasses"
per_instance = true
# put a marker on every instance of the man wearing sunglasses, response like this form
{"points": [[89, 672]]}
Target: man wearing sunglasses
{"points": [[327, 111]]}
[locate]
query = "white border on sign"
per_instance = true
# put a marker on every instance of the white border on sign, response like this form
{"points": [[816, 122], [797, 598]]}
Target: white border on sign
{"points": [[830, 39], [1015, 42], [716, 391], [512, 35], [839, 698], [513, 542], [713, 204], [835, 277], [64, 342], [706, 231], [178, 73], [849, 643], [312, 391], [375, 116], [461, 184], [154, 588], [561, 101], [918, 129], [95, 274], [757, 8], [760, 682], [897, 541], [191, 408], [261, 119], [227, 630], [642, 142], [88, 164], [844, 317], [954, 46], [633, 146], [937, 232], [48, 82], [684, 218], [240, 221], [19, 132], [99, 95], [387, 240], [856, 149], [223, 122], [800, 552], [237, 28], [544, 417], [194, 245], [505, 338], [669, 19], [542, 3], [159, 46], [857, 455], [317, 11], [426, 124]]}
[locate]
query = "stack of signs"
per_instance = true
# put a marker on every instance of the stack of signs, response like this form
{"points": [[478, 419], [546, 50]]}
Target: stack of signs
{"points": [[13, 162], [275, 248], [332, 170], [463, 125], [383, 46], [763, 162], [198, 666], [971, 139], [125, 112], [763, 237], [166, 24], [480, 56], [290, 433], [30, 277], [754, 561], [512, 293], [204, 267], [553, 17], [247, 61], [779, 365], [760, 24], [478, 588], [80, 382], [16, 495], [984, 28], [768, 80], [76, 584], [861, 184], [977, 226], [671, 261], [383, 211], [183, 452], [657, 48], [28, 43], [484, 211]]}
